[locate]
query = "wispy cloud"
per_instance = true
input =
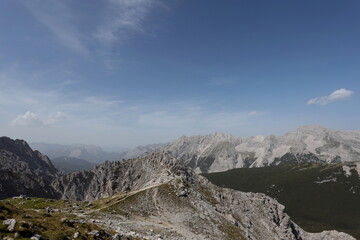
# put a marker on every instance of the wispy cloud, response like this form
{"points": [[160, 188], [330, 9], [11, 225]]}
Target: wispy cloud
{"points": [[59, 19], [222, 81], [194, 120], [253, 113], [334, 96], [66, 115], [125, 17], [102, 102], [46, 106], [117, 21]]}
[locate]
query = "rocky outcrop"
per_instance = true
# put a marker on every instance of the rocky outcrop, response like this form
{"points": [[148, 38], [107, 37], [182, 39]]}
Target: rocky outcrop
{"points": [[140, 151], [158, 194], [114, 177], [24, 171]]}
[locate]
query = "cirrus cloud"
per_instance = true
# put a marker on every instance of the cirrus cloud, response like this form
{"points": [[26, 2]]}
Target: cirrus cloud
{"points": [[118, 20], [125, 17], [337, 95]]}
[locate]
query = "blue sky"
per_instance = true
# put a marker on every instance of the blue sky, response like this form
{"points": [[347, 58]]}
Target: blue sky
{"points": [[120, 73]]}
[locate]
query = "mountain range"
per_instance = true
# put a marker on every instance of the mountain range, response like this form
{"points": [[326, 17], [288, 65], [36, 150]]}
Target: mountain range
{"points": [[220, 151], [90, 153]]}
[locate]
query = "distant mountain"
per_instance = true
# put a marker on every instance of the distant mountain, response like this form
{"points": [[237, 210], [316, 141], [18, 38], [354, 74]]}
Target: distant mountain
{"points": [[69, 164], [24, 171], [219, 151], [140, 151], [316, 196], [157, 194], [93, 154]]}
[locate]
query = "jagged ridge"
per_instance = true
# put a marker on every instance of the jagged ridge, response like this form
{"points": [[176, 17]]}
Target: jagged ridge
{"points": [[24, 171], [113, 177], [219, 151]]}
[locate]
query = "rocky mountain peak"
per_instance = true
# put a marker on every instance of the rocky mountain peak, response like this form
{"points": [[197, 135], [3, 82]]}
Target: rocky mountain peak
{"points": [[316, 130], [19, 146], [22, 149], [24, 171]]}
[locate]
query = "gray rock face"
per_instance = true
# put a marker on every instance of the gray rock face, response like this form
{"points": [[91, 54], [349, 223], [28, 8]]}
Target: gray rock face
{"points": [[10, 223], [24, 171], [158, 193], [219, 151], [140, 151], [327, 235], [113, 177]]}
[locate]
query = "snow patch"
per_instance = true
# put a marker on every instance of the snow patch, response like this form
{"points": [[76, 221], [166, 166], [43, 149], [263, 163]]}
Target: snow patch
{"points": [[326, 180], [347, 169]]}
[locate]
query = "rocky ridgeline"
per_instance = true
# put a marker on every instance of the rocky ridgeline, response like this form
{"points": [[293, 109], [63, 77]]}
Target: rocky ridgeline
{"points": [[114, 177], [24, 171], [219, 151], [157, 195]]}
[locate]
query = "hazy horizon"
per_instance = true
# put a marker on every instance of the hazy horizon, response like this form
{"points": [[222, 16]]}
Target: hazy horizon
{"points": [[121, 149]]}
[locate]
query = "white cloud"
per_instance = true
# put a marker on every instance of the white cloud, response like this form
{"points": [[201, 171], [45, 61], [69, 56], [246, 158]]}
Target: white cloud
{"points": [[253, 113], [55, 118], [335, 96], [30, 119]]}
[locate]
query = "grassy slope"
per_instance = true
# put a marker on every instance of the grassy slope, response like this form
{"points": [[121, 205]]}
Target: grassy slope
{"points": [[313, 206], [32, 219]]}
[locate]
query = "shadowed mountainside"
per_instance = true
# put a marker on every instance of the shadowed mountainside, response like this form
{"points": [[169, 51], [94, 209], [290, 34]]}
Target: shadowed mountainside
{"points": [[316, 196], [24, 171]]}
